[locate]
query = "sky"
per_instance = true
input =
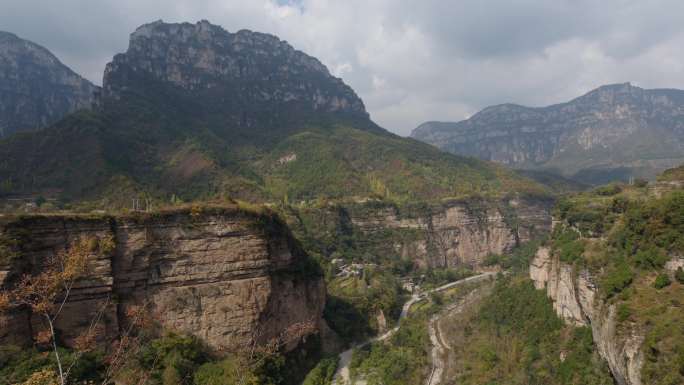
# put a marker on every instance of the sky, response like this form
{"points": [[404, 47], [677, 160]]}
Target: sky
{"points": [[410, 60]]}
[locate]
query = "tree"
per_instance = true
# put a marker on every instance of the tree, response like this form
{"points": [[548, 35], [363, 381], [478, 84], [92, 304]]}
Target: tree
{"points": [[249, 359], [46, 292], [40, 200], [661, 281]]}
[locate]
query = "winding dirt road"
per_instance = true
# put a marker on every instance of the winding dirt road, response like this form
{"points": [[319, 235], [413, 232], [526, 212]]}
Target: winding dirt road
{"points": [[439, 344], [342, 374]]}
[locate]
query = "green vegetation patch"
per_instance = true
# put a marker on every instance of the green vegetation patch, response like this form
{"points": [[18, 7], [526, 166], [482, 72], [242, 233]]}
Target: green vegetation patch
{"points": [[515, 337], [626, 236]]}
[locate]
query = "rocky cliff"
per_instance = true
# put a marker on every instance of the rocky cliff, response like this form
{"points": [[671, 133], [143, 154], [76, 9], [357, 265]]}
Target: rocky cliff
{"points": [[36, 89], [222, 274], [613, 132], [449, 234], [205, 58], [575, 299]]}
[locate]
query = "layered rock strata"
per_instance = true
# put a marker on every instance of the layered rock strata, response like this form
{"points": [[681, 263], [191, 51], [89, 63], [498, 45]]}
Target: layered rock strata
{"points": [[575, 299], [458, 233], [229, 277]]}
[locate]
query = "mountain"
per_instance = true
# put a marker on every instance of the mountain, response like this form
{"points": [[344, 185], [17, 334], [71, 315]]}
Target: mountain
{"points": [[192, 111], [613, 132], [36, 89]]}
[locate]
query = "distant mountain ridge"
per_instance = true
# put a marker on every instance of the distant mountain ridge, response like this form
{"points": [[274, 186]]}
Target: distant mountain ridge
{"points": [[36, 89], [613, 132], [194, 111]]}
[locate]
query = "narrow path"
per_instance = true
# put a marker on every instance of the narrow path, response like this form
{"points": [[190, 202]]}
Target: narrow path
{"points": [[342, 373], [439, 343]]}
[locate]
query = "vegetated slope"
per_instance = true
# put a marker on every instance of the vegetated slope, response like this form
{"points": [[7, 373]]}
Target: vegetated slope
{"points": [[193, 111], [611, 133], [513, 336], [627, 242], [36, 89]]}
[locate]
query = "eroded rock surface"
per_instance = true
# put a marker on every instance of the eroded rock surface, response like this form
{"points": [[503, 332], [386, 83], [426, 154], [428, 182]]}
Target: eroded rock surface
{"points": [[226, 276], [575, 299], [459, 233], [260, 68]]}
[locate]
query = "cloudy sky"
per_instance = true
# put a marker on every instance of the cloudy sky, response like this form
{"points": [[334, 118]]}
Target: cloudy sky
{"points": [[410, 60]]}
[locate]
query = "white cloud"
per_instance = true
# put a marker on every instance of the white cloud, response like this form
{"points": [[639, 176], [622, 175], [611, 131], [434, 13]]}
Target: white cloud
{"points": [[410, 61]]}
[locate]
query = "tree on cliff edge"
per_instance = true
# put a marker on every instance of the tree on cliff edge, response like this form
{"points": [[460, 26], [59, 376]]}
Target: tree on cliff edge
{"points": [[46, 293]]}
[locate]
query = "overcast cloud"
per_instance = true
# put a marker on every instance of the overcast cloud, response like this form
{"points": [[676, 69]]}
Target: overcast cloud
{"points": [[409, 60]]}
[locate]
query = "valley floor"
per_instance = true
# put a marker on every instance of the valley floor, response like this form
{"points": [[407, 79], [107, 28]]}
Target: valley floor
{"points": [[342, 376]]}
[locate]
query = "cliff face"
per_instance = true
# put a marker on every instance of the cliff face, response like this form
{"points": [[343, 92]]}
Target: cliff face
{"points": [[453, 234], [222, 275], [203, 57], [615, 131], [575, 299], [36, 89], [457, 235]]}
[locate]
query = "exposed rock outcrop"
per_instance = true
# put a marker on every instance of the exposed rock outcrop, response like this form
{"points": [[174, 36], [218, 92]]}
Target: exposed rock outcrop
{"points": [[261, 68], [36, 89], [575, 299], [613, 132], [227, 276], [449, 234]]}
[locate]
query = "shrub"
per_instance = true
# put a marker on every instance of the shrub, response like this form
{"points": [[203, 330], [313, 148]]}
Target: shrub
{"points": [[571, 251], [617, 279], [661, 281], [608, 190], [638, 182], [568, 245], [323, 373], [679, 275], [173, 358], [650, 258], [623, 312], [437, 298], [619, 205], [491, 260]]}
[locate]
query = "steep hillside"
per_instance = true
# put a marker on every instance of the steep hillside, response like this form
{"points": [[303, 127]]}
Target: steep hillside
{"points": [[614, 264], [611, 133], [36, 89], [513, 336], [192, 111]]}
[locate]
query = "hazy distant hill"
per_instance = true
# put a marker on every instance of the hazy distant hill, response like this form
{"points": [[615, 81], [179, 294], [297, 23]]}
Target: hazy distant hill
{"points": [[36, 89], [613, 132]]}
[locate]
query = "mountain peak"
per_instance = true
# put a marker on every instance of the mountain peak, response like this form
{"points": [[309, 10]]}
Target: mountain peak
{"points": [[36, 89], [5, 36], [612, 132], [256, 68]]}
